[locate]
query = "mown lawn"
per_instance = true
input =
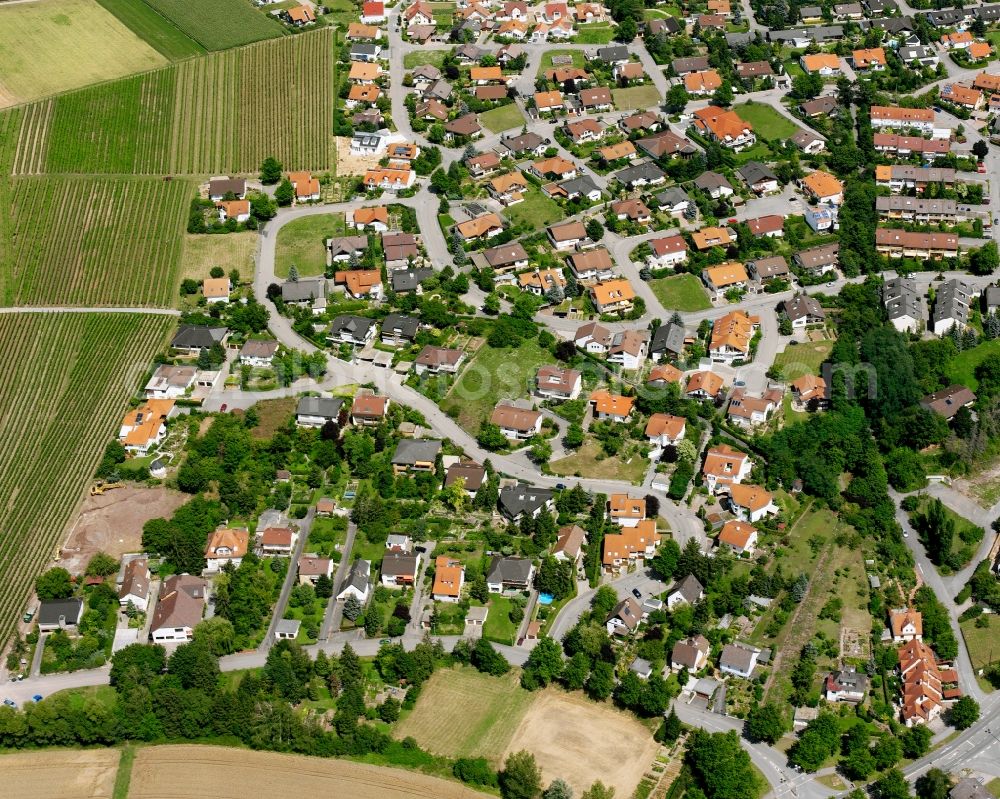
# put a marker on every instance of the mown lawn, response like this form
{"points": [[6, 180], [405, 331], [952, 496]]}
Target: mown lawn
{"points": [[766, 122], [587, 462], [492, 375], [681, 293], [595, 33], [503, 118], [645, 96], [962, 368], [418, 58], [983, 643], [303, 242], [803, 359], [548, 55], [536, 209], [498, 626]]}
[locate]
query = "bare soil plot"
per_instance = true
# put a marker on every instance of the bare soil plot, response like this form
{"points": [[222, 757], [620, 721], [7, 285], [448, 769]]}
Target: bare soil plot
{"points": [[194, 772], [350, 164], [112, 523], [462, 713], [582, 741], [60, 774]]}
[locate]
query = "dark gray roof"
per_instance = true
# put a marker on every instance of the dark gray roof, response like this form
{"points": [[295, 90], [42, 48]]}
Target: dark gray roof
{"points": [[522, 142], [818, 33], [221, 186], [303, 290], [992, 296], [618, 52], [190, 337], [509, 570], [737, 657], [988, 13], [324, 407], [952, 301], [357, 577], [52, 611], [816, 257], [365, 49], [901, 298], [675, 195], [397, 563], [690, 588], [810, 11], [410, 451], [711, 180], [668, 25], [967, 787], [692, 64], [584, 184], [739, 38], [648, 172], [801, 306], [409, 279], [400, 325], [522, 498], [347, 245], [356, 327], [755, 172], [770, 267], [668, 338]]}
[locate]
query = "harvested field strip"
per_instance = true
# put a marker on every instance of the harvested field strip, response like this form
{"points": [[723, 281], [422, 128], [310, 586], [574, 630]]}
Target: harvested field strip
{"points": [[207, 772], [204, 115], [55, 774], [32, 140], [66, 381], [93, 241]]}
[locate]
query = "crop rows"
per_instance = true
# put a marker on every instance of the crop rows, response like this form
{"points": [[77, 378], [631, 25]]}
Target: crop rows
{"points": [[220, 24], [223, 113], [92, 241], [65, 381]]}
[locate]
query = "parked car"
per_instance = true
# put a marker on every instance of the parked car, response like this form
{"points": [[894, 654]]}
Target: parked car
{"points": [[10, 702], [637, 593]]}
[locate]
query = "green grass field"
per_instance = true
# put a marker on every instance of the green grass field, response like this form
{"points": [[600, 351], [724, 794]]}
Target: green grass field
{"points": [[535, 210], [962, 368], [983, 643], [93, 241], [339, 12], [587, 462], [766, 122], [65, 385], [577, 55], [154, 29], [803, 359], [64, 44], [303, 242], [185, 119], [498, 627], [681, 293], [492, 375], [220, 24], [503, 118], [595, 33], [417, 58], [645, 96], [462, 713]]}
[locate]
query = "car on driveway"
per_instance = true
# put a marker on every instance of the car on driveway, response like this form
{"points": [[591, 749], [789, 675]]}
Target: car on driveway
{"points": [[637, 593], [10, 702], [36, 698]]}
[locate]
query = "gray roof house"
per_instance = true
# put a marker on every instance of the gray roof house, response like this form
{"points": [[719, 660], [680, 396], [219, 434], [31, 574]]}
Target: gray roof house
{"points": [[762, 269], [357, 583], [398, 328], [520, 499], [902, 303], [404, 280], [303, 290], [804, 310], [416, 454], [713, 184], [197, 337], [688, 590], [644, 174], [615, 54], [951, 305], [317, 411], [58, 614], [668, 340], [357, 330], [508, 574], [738, 659]]}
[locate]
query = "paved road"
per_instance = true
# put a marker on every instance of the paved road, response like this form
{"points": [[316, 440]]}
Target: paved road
{"points": [[291, 578], [335, 608], [578, 605], [36, 658]]}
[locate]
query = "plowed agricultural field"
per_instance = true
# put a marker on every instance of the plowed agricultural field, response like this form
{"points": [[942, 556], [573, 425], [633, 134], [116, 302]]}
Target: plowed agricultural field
{"points": [[223, 113], [92, 241], [196, 772], [64, 385], [60, 775]]}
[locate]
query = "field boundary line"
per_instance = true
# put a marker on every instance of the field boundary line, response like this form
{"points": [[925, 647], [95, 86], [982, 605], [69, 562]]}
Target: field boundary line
{"points": [[78, 309]]}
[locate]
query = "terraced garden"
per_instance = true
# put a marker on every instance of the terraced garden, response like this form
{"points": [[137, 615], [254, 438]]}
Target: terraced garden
{"points": [[205, 115], [65, 382], [92, 241]]}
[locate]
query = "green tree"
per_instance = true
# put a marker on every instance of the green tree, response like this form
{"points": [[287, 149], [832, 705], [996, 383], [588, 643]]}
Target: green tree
{"points": [[544, 665], [664, 562], [195, 666], [892, 785], [595, 230], [136, 665], [558, 789], [765, 723], [270, 171], [935, 784], [490, 437], [916, 741], [964, 713], [601, 681], [520, 778], [217, 634], [720, 765], [101, 565], [671, 729], [54, 584], [284, 193], [677, 98], [603, 601], [352, 608], [598, 791]]}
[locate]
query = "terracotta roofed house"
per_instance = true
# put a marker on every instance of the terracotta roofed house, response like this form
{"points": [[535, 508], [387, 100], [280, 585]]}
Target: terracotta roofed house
{"points": [[625, 510], [610, 296], [739, 536], [824, 187], [725, 466], [226, 546], [704, 385], [633, 543], [906, 624], [368, 409], [751, 503], [558, 383], [725, 127], [449, 576]]}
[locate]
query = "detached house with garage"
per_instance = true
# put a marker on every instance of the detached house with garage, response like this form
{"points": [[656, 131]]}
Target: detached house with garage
{"points": [[226, 546], [624, 618], [687, 591], [449, 577], [724, 467], [751, 503], [554, 382], [509, 574], [633, 544], [738, 536], [516, 424], [519, 500]]}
